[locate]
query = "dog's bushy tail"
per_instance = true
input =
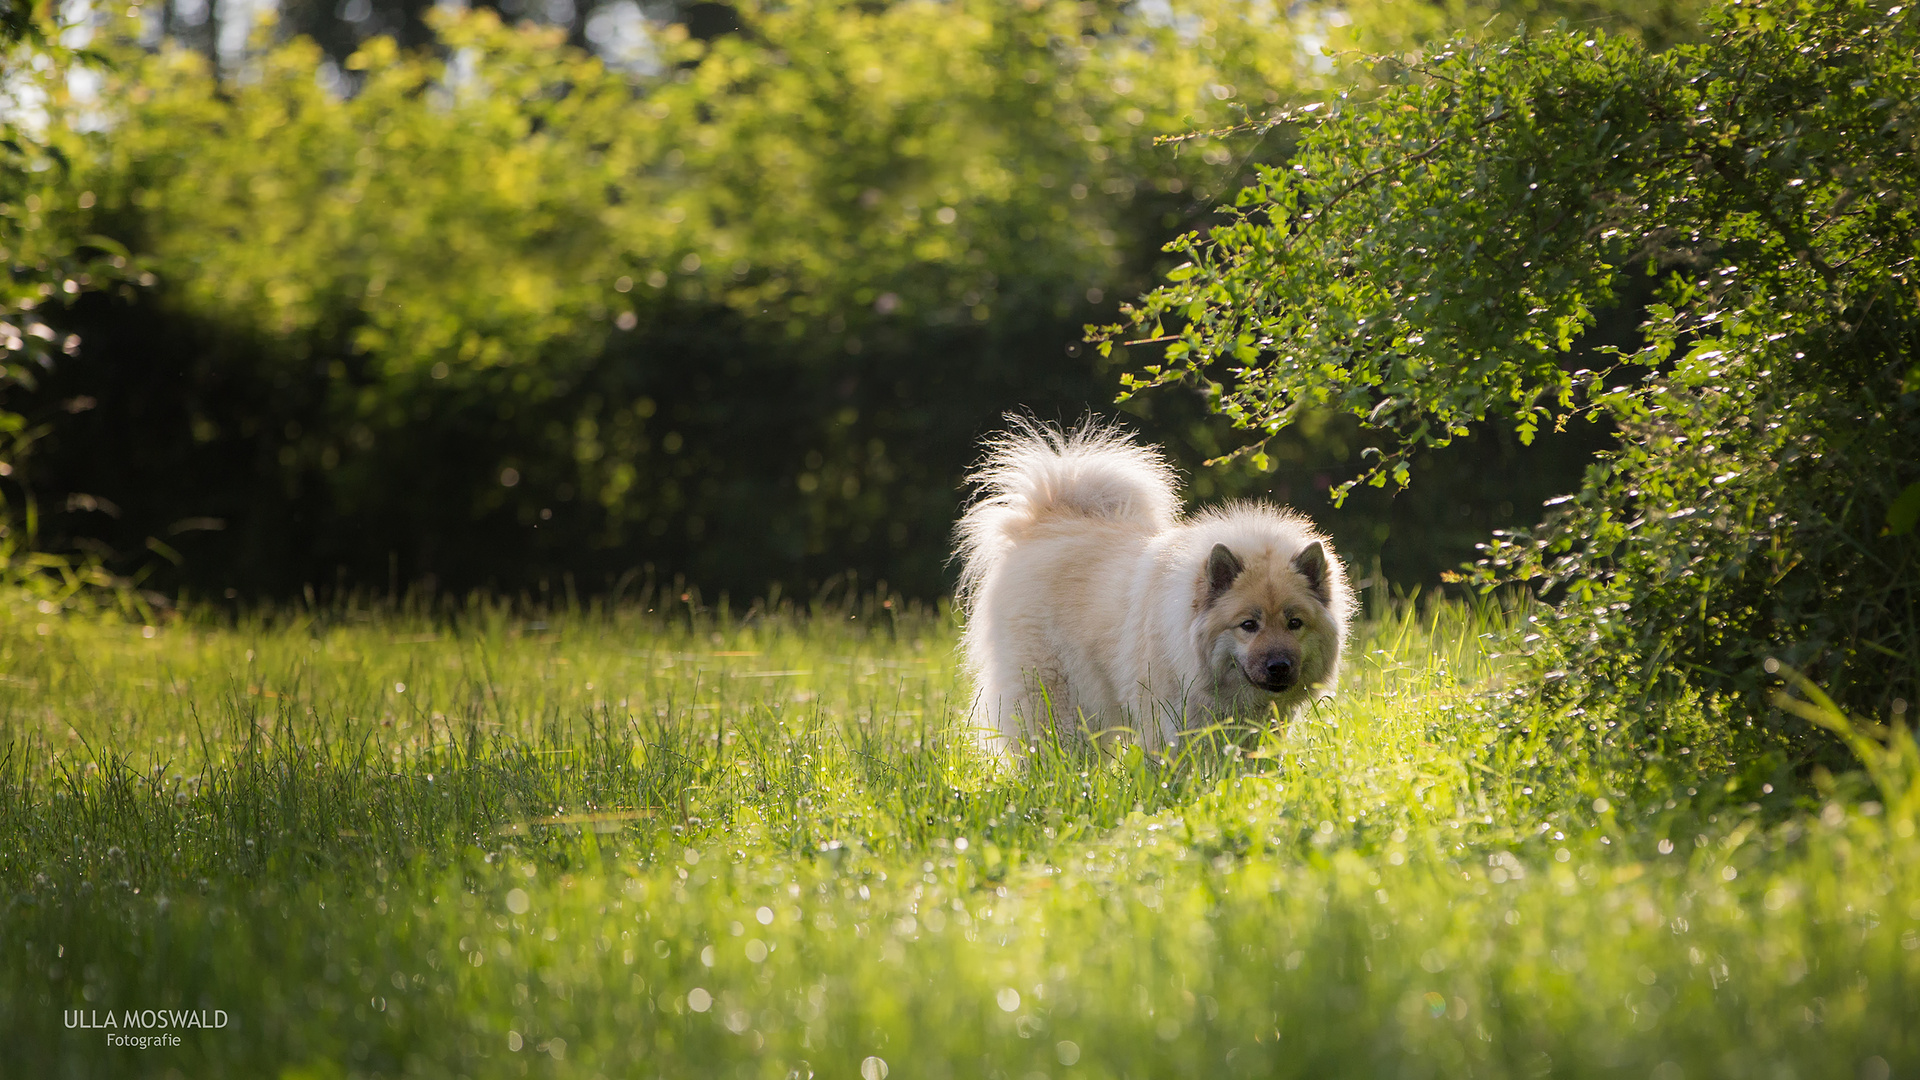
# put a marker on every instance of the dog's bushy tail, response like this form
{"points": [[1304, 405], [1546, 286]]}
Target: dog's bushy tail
{"points": [[1035, 471]]}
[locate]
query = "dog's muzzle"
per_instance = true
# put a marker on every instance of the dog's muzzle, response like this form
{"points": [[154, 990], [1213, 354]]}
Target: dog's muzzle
{"points": [[1278, 674]]}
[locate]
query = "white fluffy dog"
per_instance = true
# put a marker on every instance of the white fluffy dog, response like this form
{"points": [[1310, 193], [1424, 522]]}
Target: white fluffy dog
{"points": [[1095, 608]]}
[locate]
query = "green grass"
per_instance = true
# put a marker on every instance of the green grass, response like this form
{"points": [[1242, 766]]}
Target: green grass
{"points": [[673, 844]]}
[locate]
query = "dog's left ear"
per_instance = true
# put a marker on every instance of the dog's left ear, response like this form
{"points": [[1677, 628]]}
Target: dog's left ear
{"points": [[1311, 564]]}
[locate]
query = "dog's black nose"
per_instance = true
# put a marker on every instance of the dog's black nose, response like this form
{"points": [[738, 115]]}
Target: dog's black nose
{"points": [[1280, 673]]}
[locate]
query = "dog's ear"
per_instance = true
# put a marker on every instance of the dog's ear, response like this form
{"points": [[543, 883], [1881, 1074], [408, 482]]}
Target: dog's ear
{"points": [[1311, 564], [1222, 567]]}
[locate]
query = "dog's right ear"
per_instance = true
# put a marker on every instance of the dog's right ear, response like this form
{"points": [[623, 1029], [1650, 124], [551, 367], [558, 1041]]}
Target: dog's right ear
{"points": [[1222, 567]]}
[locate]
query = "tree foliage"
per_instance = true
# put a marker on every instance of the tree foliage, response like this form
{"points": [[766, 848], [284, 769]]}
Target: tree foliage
{"points": [[738, 302], [744, 314], [1429, 258], [47, 257]]}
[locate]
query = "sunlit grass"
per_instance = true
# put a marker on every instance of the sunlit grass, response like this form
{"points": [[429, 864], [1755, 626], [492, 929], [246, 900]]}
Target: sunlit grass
{"points": [[676, 843]]}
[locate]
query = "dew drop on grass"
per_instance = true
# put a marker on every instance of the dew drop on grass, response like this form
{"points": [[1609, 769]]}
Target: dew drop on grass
{"points": [[873, 1068], [1068, 1051], [517, 901], [699, 1000], [1009, 999]]}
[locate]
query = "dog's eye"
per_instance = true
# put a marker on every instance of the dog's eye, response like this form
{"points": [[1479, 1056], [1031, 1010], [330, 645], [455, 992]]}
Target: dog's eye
{"points": [[1295, 624], [1250, 626]]}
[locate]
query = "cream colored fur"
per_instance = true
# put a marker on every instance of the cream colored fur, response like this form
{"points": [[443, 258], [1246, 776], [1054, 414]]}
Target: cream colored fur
{"points": [[1094, 606]]}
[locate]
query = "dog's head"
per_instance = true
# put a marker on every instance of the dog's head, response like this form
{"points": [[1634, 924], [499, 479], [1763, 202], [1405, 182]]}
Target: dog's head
{"points": [[1273, 616]]}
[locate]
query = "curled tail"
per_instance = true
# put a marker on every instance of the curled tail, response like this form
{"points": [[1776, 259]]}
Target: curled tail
{"points": [[1035, 471]]}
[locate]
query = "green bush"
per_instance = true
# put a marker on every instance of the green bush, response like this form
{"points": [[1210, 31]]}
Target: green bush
{"points": [[1429, 258]]}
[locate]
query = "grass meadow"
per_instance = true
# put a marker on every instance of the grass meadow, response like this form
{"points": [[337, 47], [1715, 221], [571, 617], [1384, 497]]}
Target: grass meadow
{"points": [[683, 843]]}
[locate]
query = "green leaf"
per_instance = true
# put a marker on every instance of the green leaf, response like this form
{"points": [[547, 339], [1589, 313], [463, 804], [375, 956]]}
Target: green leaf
{"points": [[1905, 511], [105, 243]]}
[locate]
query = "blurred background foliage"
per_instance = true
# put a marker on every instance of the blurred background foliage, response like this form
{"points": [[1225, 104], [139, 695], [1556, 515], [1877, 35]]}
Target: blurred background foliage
{"points": [[386, 293]]}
